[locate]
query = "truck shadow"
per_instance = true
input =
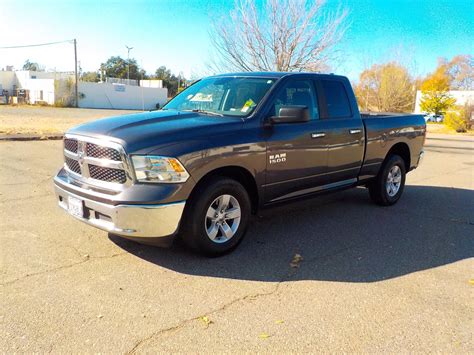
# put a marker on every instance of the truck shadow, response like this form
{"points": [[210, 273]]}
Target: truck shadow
{"points": [[341, 237]]}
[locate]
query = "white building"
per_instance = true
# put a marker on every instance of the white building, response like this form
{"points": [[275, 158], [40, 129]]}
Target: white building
{"points": [[39, 85], [55, 88], [120, 96], [462, 98]]}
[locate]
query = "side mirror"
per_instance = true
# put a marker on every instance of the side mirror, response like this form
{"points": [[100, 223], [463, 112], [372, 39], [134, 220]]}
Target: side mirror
{"points": [[291, 114]]}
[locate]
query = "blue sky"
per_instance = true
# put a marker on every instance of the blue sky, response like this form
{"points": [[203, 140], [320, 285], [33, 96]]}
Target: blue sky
{"points": [[175, 32]]}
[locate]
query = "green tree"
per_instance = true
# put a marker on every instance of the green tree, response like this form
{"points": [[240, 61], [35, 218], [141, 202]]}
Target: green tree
{"points": [[117, 67], [386, 87], [170, 81], [435, 96], [90, 76], [32, 66]]}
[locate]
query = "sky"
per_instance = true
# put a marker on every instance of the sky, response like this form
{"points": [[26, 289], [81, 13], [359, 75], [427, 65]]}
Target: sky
{"points": [[175, 33]]}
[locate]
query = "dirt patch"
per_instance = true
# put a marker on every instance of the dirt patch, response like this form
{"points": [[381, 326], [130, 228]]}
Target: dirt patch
{"points": [[48, 120]]}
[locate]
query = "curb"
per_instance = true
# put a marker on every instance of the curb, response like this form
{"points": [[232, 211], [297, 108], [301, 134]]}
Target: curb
{"points": [[31, 137]]}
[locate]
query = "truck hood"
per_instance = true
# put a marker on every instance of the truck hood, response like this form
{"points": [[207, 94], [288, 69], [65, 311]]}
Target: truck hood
{"points": [[143, 132]]}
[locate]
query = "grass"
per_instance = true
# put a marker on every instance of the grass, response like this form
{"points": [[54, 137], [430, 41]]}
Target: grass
{"points": [[435, 127]]}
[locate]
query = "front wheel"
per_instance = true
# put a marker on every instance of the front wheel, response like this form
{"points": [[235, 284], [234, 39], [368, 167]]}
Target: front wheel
{"points": [[216, 218], [387, 187]]}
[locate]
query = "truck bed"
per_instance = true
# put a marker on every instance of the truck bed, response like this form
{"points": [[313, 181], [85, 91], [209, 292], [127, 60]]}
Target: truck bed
{"points": [[383, 130]]}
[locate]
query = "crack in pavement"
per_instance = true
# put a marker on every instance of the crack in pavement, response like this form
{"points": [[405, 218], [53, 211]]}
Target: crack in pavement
{"points": [[24, 198], [49, 177], [86, 259], [180, 325], [27, 170], [252, 296]]}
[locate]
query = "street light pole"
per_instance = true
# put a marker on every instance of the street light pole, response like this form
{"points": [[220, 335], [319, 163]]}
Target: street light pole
{"points": [[76, 93], [128, 62]]}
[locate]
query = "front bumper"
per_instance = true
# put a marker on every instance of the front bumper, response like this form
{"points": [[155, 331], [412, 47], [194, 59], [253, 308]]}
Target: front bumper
{"points": [[140, 221]]}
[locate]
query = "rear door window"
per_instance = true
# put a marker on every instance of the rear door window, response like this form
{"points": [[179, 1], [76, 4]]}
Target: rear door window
{"points": [[337, 101]]}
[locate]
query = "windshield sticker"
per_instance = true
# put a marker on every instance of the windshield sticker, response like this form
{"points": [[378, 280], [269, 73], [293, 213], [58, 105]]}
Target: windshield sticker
{"points": [[248, 104]]}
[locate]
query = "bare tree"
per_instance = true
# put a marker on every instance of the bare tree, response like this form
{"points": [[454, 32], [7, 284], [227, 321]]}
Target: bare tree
{"points": [[460, 71], [281, 35]]}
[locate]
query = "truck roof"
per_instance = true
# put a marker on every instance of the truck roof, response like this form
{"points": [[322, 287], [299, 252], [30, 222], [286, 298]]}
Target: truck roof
{"points": [[271, 74]]}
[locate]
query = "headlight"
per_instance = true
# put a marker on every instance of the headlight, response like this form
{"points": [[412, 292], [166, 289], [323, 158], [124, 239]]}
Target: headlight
{"points": [[151, 168]]}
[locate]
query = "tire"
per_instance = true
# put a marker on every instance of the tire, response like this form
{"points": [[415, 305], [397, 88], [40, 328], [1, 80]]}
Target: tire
{"points": [[205, 228], [380, 190]]}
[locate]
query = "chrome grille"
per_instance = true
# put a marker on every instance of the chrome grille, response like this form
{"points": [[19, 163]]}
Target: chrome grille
{"points": [[107, 174], [71, 145], [73, 165], [97, 162], [97, 151]]}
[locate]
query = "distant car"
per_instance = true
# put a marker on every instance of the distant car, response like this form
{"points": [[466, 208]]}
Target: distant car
{"points": [[434, 118]]}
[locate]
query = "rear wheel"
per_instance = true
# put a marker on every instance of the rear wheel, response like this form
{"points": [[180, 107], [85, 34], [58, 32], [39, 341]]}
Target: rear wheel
{"points": [[388, 186], [216, 217]]}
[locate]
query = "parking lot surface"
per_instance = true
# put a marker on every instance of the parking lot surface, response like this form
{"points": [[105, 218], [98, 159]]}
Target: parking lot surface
{"points": [[372, 279]]}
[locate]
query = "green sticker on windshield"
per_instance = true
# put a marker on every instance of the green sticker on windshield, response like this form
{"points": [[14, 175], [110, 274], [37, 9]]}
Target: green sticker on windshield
{"points": [[248, 104]]}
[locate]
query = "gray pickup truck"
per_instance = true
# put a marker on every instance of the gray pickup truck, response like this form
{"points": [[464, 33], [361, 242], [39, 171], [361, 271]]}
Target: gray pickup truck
{"points": [[227, 146]]}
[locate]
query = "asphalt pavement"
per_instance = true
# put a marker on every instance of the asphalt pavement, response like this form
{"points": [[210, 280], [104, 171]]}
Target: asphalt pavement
{"points": [[371, 279]]}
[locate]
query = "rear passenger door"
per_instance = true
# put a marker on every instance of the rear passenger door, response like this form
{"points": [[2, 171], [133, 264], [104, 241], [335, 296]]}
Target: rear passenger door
{"points": [[344, 130]]}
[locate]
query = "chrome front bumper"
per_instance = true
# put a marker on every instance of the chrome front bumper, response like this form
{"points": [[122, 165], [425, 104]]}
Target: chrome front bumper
{"points": [[141, 221]]}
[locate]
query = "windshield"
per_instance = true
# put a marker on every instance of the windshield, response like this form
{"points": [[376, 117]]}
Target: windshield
{"points": [[230, 96]]}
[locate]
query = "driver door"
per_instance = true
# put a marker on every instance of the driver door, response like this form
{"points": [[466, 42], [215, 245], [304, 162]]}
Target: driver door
{"points": [[296, 152]]}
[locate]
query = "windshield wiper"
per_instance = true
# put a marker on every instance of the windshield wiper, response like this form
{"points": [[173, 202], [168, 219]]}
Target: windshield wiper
{"points": [[206, 112]]}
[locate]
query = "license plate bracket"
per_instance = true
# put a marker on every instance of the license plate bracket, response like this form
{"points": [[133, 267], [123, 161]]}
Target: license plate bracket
{"points": [[75, 207]]}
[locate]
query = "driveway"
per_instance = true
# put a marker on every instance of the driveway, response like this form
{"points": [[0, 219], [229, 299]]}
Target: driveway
{"points": [[372, 279]]}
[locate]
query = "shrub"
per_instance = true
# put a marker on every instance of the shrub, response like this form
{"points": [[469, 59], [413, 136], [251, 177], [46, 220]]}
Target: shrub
{"points": [[456, 120]]}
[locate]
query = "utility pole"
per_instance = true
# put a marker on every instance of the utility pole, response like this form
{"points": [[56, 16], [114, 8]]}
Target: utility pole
{"points": [[75, 73], [128, 62]]}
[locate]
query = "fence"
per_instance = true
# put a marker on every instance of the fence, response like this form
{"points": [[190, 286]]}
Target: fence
{"points": [[131, 82]]}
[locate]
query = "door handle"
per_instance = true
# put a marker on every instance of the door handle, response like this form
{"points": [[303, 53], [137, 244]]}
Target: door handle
{"points": [[354, 131], [318, 135]]}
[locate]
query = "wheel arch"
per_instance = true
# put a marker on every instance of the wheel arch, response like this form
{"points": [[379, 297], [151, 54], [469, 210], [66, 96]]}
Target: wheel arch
{"points": [[238, 173], [403, 150]]}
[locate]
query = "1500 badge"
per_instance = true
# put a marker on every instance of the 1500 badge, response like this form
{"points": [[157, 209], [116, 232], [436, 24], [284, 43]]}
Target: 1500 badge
{"points": [[277, 158]]}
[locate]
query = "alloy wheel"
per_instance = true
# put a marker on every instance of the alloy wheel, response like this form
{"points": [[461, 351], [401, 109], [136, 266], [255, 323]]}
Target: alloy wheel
{"points": [[222, 218], [394, 180]]}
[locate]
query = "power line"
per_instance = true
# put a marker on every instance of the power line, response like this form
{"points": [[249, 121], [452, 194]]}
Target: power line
{"points": [[74, 42], [38, 45]]}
